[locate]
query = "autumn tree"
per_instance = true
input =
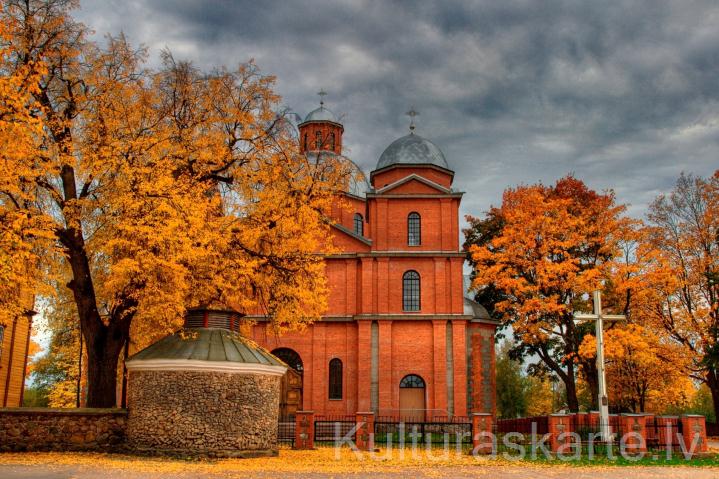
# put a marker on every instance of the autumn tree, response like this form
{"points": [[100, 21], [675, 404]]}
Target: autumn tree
{"points": [[534, 260], [644, 373], [146, 191], [680, 294]]}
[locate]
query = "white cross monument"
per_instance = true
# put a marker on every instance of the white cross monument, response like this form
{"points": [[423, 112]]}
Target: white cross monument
{"points": [[599, 318]]}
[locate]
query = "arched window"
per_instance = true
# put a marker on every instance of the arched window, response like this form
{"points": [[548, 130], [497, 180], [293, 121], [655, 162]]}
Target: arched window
{"points": [[290, 357], [410, 291], [359, 224], [306, 142], [412, 381], [318, 140], [332, 141], [414, 229], [335, 379]]}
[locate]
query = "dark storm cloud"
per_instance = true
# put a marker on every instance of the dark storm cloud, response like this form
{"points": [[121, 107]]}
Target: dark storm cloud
{"points": [[623, 94]]}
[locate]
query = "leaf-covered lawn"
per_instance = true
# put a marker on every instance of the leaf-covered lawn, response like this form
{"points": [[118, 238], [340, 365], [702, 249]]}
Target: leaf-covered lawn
{"points": [[325, 461]]}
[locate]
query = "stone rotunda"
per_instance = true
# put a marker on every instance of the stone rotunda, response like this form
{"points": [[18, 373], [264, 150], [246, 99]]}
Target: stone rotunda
{"points": [[204, 390]]}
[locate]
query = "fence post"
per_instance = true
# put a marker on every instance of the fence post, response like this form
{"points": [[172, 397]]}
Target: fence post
{"points": [[365, 431], [481, 432], [694, 429], [304, 430], [634, 423], [559, 424]]}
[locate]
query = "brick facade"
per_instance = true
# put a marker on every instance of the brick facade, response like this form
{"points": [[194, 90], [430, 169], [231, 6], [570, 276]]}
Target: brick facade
{"points": [[366, 327]]}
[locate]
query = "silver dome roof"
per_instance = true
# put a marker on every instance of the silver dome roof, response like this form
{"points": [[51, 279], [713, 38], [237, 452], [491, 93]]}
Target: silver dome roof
{"points": [[414, 150], [321, 114], [358, 184]]}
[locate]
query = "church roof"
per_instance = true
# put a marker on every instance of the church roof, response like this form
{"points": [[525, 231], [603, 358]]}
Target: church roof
{"points": [[321, 114], [412, 149]]}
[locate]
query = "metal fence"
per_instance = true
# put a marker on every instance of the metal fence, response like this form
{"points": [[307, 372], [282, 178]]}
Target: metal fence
{"points": [[663, 431], [329, 429], [286, 430], [441, 430], [523, 425]]}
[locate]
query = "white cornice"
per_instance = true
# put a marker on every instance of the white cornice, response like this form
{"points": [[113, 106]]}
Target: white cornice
{"points": [[206, 366], [415, 177]]}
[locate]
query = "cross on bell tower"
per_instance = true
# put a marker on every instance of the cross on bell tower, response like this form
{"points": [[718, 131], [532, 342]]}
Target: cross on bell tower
{"points": [[322, 93], [411, 114]]}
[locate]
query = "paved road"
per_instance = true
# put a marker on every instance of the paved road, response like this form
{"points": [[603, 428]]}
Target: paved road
{"points": [[66, 472]]}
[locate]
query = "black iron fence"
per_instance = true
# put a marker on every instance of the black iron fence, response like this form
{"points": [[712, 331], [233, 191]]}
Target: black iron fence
{"points": [[443, 430], [329, 429], [286, 430], [660, 431]]}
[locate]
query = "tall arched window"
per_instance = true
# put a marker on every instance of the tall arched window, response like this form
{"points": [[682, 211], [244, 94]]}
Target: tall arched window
{"points": [[414, 229], [410, 291], [306, 142], [335, 379], [332, 141], [318, 140], [359, 224]]}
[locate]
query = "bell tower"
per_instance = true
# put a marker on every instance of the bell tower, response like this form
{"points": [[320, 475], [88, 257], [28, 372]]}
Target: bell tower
{"points": [[321, 130]]}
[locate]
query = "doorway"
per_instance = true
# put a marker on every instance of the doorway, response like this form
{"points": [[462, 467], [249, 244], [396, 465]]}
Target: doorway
{"points": [[412, 398], [291, 384]]}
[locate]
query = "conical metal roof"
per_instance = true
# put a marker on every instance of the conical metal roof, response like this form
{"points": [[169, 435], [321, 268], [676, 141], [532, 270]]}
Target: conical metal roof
{"points": [[208, 344]]}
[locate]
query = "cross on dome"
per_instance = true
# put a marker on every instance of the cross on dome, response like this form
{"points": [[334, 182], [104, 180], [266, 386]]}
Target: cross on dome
{"points": [[322, 93], [411, 114]]}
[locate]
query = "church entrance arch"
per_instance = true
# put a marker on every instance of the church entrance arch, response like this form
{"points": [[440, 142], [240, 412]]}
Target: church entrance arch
{"points": [[412, 404], [291, 385]]}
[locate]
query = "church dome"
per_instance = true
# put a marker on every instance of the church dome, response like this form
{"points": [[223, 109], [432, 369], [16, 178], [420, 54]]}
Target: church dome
{"points": [[358, 184], [412, 150], [321, 114]]}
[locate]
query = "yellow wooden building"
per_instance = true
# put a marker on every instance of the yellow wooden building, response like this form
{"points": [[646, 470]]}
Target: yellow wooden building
{"points": [[14, 347]]}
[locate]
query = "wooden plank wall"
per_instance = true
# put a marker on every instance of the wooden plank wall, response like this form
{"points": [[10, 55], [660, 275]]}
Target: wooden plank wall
{"points": [[13, 360]]}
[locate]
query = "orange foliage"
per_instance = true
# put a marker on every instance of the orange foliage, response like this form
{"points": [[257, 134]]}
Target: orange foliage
{"points": [[555, 244], [644, 372], [148, 191]]}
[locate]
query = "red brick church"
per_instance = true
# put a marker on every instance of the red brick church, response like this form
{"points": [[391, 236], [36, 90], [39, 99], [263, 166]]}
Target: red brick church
{"points": [[400, 337]]}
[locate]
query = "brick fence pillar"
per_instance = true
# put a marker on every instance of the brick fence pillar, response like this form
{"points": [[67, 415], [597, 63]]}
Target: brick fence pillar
{"points": [[694, 431], [559, 427], [365, 431], [304, 430], [482, 432], [634, 432]]}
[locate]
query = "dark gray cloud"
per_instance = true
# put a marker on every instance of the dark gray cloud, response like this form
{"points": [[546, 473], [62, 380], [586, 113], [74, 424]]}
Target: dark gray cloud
{"points": [[625, 95]]}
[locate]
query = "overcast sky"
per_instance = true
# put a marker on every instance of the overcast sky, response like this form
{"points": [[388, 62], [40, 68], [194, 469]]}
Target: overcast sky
{"points": [[625, 95]]}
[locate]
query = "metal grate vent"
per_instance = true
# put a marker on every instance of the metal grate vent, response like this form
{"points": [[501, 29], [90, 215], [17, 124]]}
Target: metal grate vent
{"points": [[206, 318]]}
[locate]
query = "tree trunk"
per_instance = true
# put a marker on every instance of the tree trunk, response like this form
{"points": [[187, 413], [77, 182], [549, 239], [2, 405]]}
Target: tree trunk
{"points": [[571, 387], [103, 353], [589, 369]]}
